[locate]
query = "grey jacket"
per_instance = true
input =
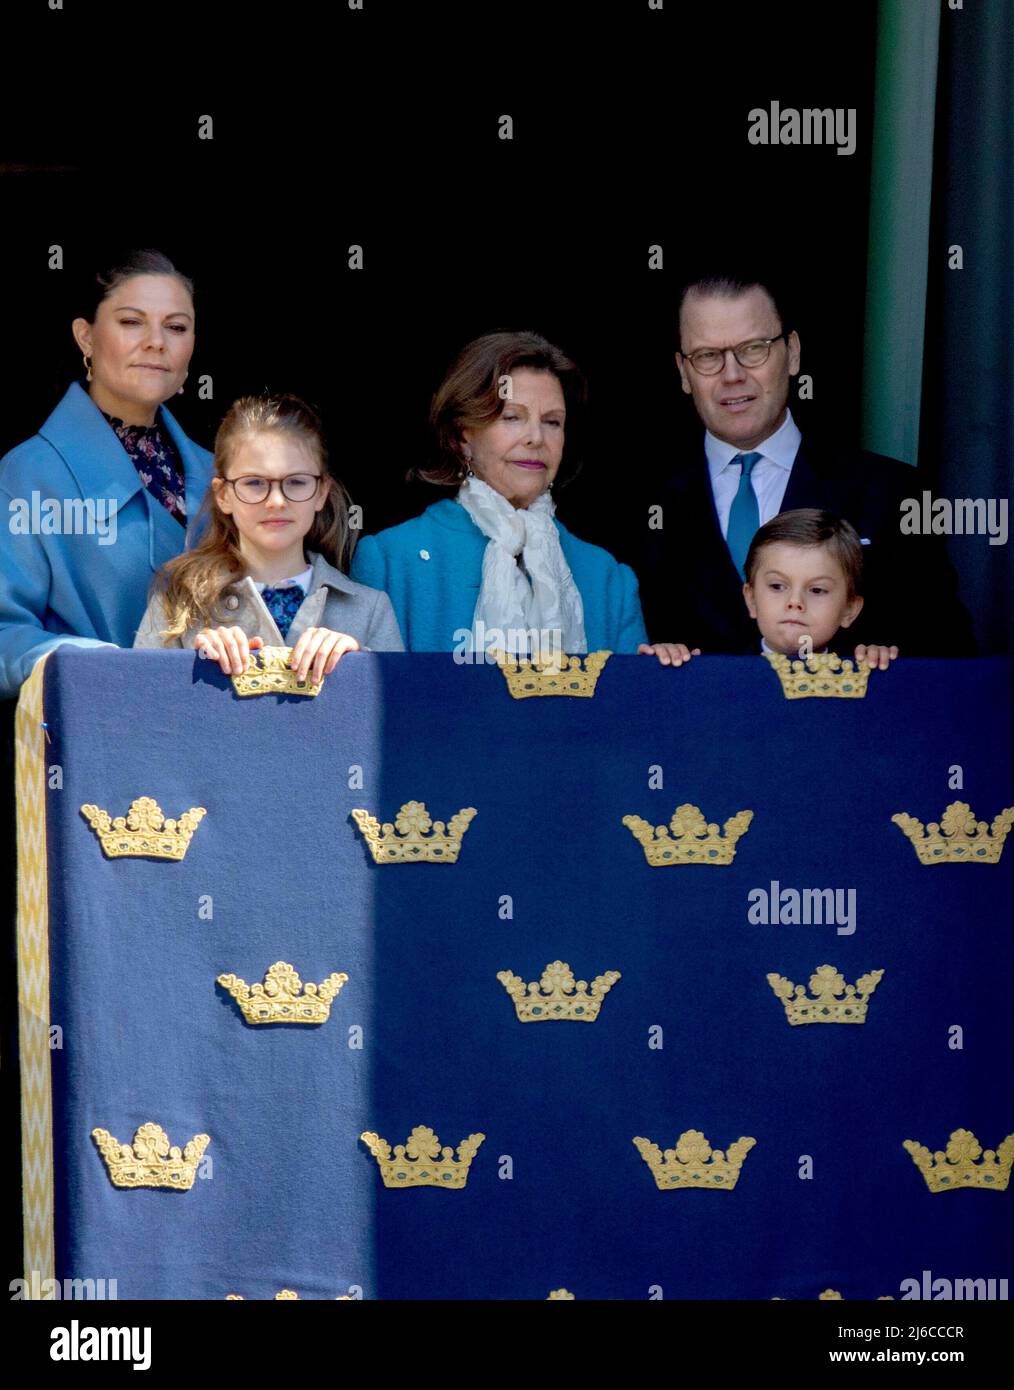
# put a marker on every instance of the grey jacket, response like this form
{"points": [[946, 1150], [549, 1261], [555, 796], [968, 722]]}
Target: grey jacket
{"points": [[334, 601]]}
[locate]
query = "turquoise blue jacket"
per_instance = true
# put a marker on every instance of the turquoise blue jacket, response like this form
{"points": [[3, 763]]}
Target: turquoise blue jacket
{"points": [[431, 569], [58, 583]]}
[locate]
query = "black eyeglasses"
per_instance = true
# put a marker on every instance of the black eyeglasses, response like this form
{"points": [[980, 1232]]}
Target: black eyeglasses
{"points": [[753, 353], [297, 487]]}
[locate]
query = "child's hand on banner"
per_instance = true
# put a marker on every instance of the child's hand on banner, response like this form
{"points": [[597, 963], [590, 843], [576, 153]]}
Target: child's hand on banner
{"points": [[229, 646], [323, 648]]}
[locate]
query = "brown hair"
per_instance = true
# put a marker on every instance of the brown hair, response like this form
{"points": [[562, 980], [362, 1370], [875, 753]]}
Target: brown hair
{"points": [[731, 283], [124, 267], [810, 526], [193, 584], [469, 396]]}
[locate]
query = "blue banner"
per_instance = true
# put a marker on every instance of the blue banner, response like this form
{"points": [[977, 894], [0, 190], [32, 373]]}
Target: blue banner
{"points": [[125, 1023]]}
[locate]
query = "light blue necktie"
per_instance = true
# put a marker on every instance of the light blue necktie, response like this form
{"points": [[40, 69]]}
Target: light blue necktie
{"points": [[744, 515]]}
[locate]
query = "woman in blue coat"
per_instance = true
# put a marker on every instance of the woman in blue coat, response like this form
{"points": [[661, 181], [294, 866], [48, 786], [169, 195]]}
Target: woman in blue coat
{"points": [[492, 567], [99, 498]]}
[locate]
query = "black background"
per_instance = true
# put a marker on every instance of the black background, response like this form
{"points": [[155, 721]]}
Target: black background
{"points": [[380, 129]]}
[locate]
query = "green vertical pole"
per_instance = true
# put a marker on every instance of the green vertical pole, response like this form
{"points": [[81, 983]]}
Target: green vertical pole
{"points": [[908, 34]]}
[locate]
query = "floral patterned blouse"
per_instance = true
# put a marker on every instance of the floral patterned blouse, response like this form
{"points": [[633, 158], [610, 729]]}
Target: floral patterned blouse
{"points": [[158, 464], [283, 603]]}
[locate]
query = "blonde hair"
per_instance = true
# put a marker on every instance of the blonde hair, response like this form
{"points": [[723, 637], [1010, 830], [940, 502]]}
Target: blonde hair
{"points": [[192, 585]]}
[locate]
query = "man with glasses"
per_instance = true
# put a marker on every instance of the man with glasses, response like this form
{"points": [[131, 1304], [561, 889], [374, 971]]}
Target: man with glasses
{"points": [[737, 355]]}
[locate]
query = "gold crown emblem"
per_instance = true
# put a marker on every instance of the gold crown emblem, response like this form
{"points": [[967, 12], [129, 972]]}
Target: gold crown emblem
{"points": [[409, 841], [421, 1162], [958, 838], [559, 1295], [144, 830], [284, 1295], [280, 999], [823, 673], [269, 673], [560, 675], [688, 838], [826, 1006], [151, 1162], [556, 995], [958, 1166], [694, 1163], [833, 1296]]}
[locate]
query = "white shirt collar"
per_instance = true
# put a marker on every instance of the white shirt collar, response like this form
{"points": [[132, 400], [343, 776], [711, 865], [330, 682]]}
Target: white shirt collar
{"points": [[303, 580], [766, 648], [781, 447]]}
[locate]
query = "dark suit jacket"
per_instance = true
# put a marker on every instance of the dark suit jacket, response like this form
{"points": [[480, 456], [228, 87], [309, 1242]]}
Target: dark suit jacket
{"points": [[691, 591]]}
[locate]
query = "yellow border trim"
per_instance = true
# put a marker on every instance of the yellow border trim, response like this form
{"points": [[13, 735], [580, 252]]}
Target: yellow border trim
{"points": [[33, 980]]}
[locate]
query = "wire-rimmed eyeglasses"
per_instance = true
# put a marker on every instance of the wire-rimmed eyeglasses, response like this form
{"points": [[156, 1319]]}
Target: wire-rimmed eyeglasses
{"points": [[297, 487]]}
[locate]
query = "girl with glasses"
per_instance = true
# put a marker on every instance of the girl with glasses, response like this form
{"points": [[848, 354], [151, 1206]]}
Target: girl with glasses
{"points": [[268, 568]]}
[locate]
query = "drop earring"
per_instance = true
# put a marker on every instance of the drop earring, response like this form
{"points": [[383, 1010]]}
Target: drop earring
{"points": [[180, 391], [88, 366]]}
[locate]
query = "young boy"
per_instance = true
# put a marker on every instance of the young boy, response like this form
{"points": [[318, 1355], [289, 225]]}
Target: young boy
{"points": [[804, 573]]}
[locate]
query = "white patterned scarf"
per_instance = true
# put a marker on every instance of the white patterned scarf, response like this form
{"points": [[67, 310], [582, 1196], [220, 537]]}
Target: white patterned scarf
{"points": [[546, 600]]}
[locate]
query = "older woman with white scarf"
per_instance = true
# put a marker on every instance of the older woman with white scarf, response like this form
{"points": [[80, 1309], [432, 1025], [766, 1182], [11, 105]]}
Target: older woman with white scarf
{"points": [[492, 568]]}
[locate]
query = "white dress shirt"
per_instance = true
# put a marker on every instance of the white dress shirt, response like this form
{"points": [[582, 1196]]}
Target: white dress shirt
{"points": [[770, 474], [766, 648], [304, 581]]}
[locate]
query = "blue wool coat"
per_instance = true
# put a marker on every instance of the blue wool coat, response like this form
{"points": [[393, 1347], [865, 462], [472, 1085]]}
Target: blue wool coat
{"points": [[58, 586], [431, 569]]}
